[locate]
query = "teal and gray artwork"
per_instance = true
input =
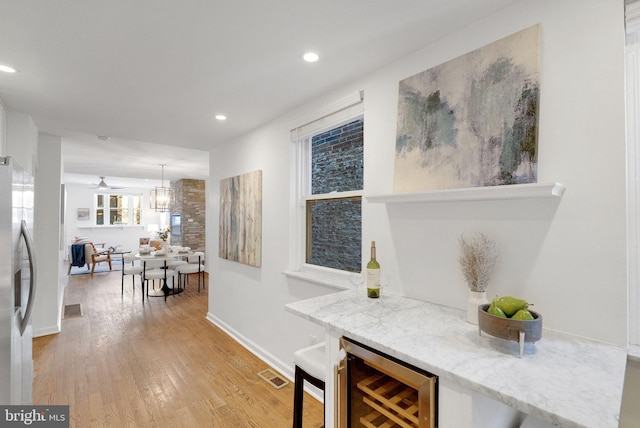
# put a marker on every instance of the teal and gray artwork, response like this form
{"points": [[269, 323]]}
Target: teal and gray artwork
{"points": [[472, 121]]}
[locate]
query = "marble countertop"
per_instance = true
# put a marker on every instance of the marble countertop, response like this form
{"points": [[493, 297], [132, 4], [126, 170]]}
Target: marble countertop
{"points": [[564, 380]]}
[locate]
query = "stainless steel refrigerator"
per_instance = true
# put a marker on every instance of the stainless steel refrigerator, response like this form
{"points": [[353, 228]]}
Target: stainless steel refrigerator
{"points": [[17, 282]]}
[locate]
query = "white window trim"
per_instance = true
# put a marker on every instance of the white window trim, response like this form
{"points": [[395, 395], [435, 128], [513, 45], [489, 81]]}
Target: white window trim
{"points": [[335, 114], [351, 106], [129, 195]]}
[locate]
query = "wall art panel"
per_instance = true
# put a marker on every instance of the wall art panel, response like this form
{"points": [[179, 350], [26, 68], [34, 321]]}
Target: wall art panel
{"points": [[241, 218], [472, 121]]}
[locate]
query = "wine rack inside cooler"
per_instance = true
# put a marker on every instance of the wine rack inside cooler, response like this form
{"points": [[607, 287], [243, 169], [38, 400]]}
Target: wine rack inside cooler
{"points": [[384, 393], [392, 403]]}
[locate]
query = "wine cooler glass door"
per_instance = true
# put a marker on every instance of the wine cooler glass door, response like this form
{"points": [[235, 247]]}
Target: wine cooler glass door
{"points": [[380, 391]]}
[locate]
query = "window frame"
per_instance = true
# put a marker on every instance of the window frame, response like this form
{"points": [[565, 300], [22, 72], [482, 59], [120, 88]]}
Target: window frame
{"points": [[301, 194], [107, 209]]}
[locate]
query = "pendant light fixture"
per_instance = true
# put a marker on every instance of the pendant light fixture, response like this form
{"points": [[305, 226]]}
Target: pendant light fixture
{"points": [[160, 196]]}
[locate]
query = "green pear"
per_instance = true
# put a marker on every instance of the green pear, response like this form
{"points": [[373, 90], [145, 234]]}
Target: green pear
{"points": [[494, 310], [523, 315], [510, 305]]}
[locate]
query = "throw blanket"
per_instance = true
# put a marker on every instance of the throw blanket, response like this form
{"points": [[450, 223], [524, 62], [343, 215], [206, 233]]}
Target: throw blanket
{"points": [[77, 255]]}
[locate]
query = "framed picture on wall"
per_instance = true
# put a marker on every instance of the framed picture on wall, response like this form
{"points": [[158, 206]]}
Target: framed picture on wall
{"points": [[471, 121], [83, 213], [241, 218]]}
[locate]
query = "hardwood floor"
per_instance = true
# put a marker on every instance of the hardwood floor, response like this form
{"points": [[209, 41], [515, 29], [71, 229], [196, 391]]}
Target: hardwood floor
{"points": [[158, 364]]}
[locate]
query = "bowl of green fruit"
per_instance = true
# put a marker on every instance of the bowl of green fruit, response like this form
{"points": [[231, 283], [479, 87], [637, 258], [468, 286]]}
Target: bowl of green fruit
{"points": [[510, 318]]}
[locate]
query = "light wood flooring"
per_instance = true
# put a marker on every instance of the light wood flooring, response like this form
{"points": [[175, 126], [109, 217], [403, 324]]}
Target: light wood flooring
{"points": [[158, 364]]}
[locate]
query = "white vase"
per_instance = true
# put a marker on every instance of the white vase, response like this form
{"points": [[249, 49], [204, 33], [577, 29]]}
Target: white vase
{"points": [[475, 299]]}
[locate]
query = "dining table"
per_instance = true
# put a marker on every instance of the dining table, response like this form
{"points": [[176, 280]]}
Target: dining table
{"points": [[163, 291]]}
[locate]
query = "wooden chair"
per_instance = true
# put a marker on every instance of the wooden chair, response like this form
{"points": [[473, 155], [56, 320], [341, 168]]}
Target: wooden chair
{"points": [[156, 243], [94, 255], [76, 258]]}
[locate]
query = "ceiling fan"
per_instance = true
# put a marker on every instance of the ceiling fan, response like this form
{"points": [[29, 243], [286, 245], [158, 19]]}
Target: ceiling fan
{"points": [[104, 186]]}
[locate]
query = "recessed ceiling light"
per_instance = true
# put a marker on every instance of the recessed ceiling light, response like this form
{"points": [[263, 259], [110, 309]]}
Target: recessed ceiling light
{"points": [[7, 69], [221, 117], [311, 57]]}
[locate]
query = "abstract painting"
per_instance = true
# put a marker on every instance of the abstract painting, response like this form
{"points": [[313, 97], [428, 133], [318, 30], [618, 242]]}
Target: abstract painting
{"points": [[241, 218], [472, 121]]}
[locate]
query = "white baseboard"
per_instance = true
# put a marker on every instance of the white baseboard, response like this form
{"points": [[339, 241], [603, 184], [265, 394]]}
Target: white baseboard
{"points": [[45, 331], [261, 353], [256, 350], [57, 327]]}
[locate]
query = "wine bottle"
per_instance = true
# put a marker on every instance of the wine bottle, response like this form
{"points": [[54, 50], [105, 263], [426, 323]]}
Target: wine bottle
{"points": [[373, 274]]}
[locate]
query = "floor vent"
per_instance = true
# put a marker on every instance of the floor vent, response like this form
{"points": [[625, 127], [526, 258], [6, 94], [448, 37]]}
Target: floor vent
{"points": [[273, 378], [71, 311]]}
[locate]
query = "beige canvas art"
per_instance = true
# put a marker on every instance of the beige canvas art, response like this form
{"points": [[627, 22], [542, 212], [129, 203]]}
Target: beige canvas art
{"points": [[472, 121], [241, 218]]}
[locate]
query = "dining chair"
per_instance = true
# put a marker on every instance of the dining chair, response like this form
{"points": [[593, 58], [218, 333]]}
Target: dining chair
{"points": [[196, 257], [129, 267], [156, 269], [173, 264], [195, 264]]}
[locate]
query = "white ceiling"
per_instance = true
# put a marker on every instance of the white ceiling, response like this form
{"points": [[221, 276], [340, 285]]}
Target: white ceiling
{"points": [[158, 71]]}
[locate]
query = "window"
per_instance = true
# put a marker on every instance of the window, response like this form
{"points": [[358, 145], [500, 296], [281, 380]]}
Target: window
{"points": [[117, 210], [176, 226], [330, 183], [333, 217]]}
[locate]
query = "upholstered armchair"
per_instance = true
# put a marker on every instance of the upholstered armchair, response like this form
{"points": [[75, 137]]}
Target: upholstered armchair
{"points": [[94, 255], [85, 253]]}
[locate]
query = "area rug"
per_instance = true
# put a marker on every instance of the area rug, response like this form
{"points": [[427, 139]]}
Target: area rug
{"points": [[72, 311], [116, 264]]}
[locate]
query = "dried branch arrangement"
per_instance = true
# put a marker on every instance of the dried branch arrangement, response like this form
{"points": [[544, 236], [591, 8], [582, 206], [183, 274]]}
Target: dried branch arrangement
{"points": [[478, 260]]}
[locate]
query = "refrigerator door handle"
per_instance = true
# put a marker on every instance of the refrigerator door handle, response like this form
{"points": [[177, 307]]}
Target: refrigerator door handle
{"points": [[32, 277]]}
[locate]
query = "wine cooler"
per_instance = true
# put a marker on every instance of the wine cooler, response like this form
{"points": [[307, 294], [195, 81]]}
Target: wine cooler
{"points": [[377, 390]]}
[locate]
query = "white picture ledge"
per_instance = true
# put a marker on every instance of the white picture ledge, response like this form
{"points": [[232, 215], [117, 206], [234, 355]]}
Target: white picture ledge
{"points": [[513, 191]]}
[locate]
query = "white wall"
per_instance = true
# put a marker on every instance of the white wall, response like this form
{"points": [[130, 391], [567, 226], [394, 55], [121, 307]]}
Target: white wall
{"points": [[42, 157], [249, 301], [3, 129], [22, 139], [80, 196], [567, 256], [47, 235]]}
